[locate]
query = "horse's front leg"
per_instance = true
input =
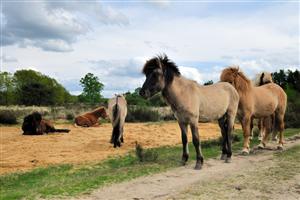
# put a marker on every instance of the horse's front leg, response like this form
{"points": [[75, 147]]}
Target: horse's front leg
{"points": [[246, 122], [196, 142], [185, 148]]}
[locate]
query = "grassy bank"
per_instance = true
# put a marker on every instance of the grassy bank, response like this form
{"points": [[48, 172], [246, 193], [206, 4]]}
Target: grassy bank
{"points": [[71, 180]]}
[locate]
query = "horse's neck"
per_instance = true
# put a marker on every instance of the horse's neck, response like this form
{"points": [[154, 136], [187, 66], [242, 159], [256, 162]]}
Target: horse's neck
{"points": [[173, 92], [98, 112]]}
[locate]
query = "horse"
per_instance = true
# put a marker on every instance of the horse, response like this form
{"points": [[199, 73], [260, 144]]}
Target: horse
{"points": [[33, 124], [191, 102], [266, 124], [91, 118], [117, 109], [257, 102]]}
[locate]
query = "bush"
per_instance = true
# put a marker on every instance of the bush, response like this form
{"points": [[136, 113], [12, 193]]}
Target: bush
{"points": [[70, 116], [7, 117], [142, 114], [292, 116], [148, 155]]}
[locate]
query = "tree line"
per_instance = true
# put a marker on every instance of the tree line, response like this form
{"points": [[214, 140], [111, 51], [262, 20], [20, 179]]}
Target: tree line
{"points": [[29, 87]]}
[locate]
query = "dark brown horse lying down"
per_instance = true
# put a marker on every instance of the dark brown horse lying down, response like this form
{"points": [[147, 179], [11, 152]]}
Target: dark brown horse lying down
{"points": [[33, 124], [90, 118]]}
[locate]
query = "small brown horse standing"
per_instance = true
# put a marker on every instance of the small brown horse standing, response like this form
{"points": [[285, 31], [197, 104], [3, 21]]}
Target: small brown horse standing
{"points": [[256, 102], [190, 102]]}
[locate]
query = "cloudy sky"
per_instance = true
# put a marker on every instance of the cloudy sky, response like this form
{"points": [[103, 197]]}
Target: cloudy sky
{"points": [[113, 39]]}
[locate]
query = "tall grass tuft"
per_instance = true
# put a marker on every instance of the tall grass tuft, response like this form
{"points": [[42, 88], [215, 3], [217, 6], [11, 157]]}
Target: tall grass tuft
{"points": [[145, 155]]}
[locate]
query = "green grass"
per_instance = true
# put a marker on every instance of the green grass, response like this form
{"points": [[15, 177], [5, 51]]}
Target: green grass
{"points": [[71, 180]]}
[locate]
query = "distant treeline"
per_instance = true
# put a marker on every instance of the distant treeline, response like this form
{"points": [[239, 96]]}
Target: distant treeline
{"points": [[29, 87]]}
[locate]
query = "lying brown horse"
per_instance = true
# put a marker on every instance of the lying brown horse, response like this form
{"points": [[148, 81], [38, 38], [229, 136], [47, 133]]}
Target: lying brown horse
{"points": [[117, 109], [256, 102], [91, 118], [190, 102], [33, 124]]}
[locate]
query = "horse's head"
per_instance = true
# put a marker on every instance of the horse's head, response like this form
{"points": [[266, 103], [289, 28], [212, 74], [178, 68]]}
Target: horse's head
{"points": [[159, 72], [104, 113], [32, 123], [234, 76]]}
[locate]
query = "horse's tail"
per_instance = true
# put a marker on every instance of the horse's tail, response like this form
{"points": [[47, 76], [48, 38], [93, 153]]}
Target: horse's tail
{"points": [[116, 124]]}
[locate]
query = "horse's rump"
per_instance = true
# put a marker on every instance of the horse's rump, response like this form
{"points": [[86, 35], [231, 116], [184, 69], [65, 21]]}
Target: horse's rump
{"points": [[117, 109]]}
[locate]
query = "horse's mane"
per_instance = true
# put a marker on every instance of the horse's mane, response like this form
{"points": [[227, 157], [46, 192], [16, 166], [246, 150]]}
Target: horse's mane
{"points": [[169, 68], [240, 81], [98, 111], [263, 78]]}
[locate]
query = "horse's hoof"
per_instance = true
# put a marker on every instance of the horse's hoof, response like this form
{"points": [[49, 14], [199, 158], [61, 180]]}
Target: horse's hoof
{"points": [[280, 147], [228, 160], [261, 146], [245, 152], [223, 157], [198, 166]]}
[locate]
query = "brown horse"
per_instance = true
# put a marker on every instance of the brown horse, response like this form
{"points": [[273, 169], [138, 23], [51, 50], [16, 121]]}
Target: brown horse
{"points": [[256, 102], [33, 124], [91, 118], [117, 109], [190, 102]]}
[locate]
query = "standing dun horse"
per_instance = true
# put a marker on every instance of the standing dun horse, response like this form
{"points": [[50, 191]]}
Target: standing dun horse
{"points": [[257, 102], [190, 102], [117, 110], [265, 124]]}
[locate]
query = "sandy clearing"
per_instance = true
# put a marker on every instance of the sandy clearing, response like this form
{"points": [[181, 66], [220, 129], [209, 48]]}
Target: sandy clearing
{"points": [[85, 145]]}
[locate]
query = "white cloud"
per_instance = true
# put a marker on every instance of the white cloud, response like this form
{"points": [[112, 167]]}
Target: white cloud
{"points": [[191, 73], [106, 44]]}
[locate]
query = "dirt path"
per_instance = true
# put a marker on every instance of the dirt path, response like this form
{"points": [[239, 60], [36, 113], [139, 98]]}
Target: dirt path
{"points": [[85, 145], [217, 180]]}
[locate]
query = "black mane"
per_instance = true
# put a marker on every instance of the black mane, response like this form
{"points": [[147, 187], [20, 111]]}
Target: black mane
{"points": [[169, 68]]}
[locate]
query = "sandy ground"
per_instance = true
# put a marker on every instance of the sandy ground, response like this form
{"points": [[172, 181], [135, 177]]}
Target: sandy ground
{"points": [[82, 145], [247, 177]]}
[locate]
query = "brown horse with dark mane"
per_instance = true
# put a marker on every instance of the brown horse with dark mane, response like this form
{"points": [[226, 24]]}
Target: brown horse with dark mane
{"points": [[257, 102], [192, 102], [91, 118], [33, 124]]}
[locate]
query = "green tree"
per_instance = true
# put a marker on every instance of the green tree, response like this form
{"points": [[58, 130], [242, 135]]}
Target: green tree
{"points": [[92, 88], [34, 88], [7, 89], [209, 82]]}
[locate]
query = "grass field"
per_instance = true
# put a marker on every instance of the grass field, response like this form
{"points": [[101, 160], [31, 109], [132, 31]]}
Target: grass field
{"points": [[72, 180]]}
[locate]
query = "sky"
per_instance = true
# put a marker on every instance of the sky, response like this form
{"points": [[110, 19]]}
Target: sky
{"points": [[113, 39]]}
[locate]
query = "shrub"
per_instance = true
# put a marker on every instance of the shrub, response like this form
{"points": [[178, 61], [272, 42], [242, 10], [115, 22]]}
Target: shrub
{"points": [[7, 117], [142, 114], [148, 155], [292, 116], [70, 116]]}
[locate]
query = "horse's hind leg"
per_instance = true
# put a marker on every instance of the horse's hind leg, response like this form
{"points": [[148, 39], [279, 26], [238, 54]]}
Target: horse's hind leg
{"points": [[223, 128], [196, 142], [246, 129], [280, 127], [230, 127], [185, 149]]}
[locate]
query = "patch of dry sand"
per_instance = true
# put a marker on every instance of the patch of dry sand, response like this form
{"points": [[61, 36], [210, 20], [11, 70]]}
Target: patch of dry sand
{"points": [[81, 145]]}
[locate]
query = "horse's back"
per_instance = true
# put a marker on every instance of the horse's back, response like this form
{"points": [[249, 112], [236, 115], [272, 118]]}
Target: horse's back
{"points": [[269, 98], [217, 99]]}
